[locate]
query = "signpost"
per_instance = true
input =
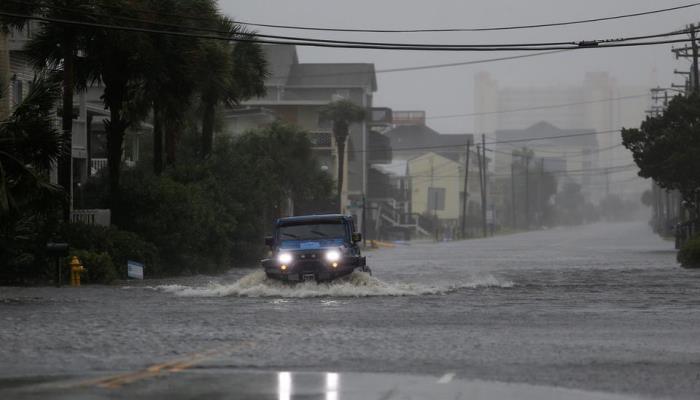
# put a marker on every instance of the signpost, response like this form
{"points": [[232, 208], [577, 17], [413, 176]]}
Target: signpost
{"points": [[134, 269]]}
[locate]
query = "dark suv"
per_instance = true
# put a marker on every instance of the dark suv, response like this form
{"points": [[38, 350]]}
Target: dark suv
{"points": [[314, 248]]}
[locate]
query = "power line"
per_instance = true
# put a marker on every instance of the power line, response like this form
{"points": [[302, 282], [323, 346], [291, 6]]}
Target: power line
{"points": [[458, 148], [246, 37], [362, 43], [483, 29], [570, 173], [432, 66], [582, 154], [553, 137], [547, 107]]}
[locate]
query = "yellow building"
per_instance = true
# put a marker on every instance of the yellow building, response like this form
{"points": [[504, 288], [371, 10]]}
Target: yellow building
{"points": [[437, 190]]}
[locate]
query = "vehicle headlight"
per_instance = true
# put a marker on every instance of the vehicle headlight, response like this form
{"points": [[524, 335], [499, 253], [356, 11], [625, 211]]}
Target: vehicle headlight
{"points": [[333, 255], [284, 258]]}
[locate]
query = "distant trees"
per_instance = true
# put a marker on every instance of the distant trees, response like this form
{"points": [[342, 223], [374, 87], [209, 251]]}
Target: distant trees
{"points": [[570, 204], [666, 147], [342, 113], [534, 188]]}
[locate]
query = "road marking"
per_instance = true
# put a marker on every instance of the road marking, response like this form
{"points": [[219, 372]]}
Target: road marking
{"points": [[447, 378], [172, 366]]}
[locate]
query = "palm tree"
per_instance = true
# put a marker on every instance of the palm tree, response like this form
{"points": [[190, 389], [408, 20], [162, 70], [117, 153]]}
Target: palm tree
{"points": [[29, 203], [55, 47], [230, 73], [29, 146], [343, 113], [115, 59], [172, 75]]}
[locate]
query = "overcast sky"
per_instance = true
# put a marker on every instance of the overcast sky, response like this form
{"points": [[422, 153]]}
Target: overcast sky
{"points": [[450, 90]]}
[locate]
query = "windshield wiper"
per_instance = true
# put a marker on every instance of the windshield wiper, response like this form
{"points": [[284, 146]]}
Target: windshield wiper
{"points": [[290, 235]]}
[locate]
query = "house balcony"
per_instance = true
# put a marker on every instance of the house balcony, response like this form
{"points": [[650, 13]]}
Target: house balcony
{"points": [[378, 148]]}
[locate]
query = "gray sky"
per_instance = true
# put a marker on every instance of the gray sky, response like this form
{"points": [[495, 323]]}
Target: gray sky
{"points": [[450, 90]]}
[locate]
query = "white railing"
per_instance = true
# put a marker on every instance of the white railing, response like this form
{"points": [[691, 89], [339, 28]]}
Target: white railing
{"points": [[101, 217], [96, 164]]}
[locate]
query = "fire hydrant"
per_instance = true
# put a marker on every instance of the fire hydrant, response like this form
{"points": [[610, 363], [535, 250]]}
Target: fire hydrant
{"points": [[75, 270]]}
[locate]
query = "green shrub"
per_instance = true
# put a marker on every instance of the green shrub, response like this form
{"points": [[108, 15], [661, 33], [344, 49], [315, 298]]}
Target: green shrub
{"points": [[99, 265], [689, 255], [119, 245], [189, 228]]}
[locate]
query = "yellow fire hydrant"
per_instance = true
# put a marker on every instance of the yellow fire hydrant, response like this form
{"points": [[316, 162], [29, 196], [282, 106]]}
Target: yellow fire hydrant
{"points": [[75, 270]]}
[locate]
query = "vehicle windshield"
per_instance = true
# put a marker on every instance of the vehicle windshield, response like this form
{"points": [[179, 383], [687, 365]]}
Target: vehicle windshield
{"points": [[332, 233]]}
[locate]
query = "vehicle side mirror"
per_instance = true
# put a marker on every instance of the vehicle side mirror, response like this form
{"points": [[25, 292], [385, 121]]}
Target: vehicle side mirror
{"points": [[356, 237], [269, 241]]}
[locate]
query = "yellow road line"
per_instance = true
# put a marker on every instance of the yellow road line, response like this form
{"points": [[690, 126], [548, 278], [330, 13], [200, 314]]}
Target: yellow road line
{"points": [[172, 366]]}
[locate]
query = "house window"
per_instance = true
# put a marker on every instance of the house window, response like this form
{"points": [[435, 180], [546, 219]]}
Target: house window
{"points": [[436, 199]]}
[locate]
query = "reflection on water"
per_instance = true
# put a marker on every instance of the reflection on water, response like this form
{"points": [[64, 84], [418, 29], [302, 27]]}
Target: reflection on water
{"points": [[285, 386], [331, 386]]}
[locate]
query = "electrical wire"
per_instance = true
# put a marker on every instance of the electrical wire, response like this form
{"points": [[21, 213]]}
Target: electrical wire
{"points": [[547, 107], [481, 29], [251, 38], [416, 45]]}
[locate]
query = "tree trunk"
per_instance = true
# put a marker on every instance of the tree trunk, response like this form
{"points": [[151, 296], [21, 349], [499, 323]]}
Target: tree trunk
{"points": [[170, 143], [157, 139], [208, 127], [115, 128], [64, 162], [341, 135]]}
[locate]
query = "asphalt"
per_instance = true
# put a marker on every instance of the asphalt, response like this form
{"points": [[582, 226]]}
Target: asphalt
{"points": [[600, 310]]}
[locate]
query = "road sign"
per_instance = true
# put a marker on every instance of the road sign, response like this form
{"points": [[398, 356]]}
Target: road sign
{"points": [[134, 269]]}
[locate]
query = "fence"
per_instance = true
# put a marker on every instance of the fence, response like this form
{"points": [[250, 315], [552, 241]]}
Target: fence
{"points": [[92, 217]]}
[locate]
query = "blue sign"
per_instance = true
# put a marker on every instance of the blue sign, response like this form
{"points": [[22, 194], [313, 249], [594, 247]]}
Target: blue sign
{"points": [[134, 269]]}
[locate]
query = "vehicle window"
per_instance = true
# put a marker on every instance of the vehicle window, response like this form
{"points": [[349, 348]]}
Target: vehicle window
{"points": [[321, 231]]}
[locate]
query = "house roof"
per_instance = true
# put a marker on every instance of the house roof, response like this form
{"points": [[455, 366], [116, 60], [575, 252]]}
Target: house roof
{"points": [[546, 130], [417, 139], [333, 74], [286, 70]]}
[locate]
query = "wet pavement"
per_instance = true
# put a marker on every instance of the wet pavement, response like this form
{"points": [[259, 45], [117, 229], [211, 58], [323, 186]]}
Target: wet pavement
{"points": [[602, 310]]}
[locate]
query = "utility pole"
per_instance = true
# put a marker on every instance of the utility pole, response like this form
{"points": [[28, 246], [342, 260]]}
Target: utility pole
{"points": [[540, 194], [691, 52], [466, 190], [527, 189], [434, 197], [481, 186], [485, 173], [694, 73], [512, 194]]}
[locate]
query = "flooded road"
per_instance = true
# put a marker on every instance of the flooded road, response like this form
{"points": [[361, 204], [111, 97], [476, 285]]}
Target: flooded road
{"points": [[596, 308]]}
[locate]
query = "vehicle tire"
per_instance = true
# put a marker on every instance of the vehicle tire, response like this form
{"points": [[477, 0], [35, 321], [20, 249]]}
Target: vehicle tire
{"points": [[367, 270]]}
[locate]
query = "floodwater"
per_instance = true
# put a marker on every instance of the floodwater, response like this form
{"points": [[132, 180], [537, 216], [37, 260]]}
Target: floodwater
{"points": [[598, 308]]}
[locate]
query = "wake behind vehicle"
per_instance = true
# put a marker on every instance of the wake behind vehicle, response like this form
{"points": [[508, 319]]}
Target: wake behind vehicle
{"points": [[314, 248]]}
